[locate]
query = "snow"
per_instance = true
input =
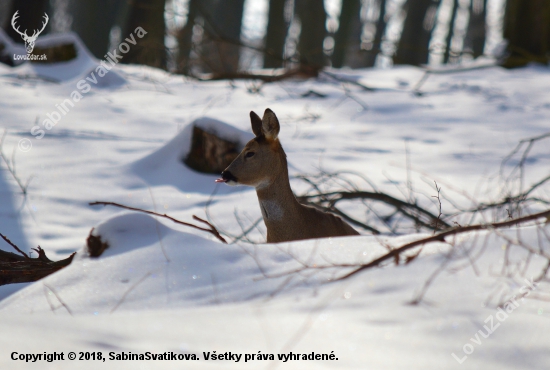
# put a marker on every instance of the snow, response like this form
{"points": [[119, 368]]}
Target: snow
{"points": [[163, 287]]}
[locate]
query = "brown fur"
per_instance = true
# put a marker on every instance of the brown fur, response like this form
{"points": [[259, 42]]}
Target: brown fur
{"points": [[267, 171]]}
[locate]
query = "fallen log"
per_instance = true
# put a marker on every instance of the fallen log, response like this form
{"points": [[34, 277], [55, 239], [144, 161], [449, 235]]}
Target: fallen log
{"points": [[20, 268]]}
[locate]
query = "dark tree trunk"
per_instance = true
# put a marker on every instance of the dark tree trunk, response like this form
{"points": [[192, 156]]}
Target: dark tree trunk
{"points": [[450, 33], [474, 41], [380, 31], [277, 29], [312, 35], [93, 21], [343, 40], [413, 46], [527, 29], [220, 49], [30, 18], [185, 38], [356, 55], [149, 50]]}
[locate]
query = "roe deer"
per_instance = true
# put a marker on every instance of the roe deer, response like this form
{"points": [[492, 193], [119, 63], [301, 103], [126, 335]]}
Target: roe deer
{"points": [[262, 164]]}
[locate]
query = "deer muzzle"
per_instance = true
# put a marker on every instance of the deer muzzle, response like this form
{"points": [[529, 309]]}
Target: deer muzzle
{"points": [[228, 178]]}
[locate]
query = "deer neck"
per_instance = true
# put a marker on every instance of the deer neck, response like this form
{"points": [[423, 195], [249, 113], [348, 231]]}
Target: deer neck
{"points": [[277, 201]]}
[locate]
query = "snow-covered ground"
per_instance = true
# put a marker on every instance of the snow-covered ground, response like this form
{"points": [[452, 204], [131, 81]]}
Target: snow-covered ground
{"points": [[161, 287]]}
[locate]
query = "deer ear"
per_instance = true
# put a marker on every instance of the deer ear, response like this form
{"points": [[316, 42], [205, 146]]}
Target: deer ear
{"points": [[270, 125], [256, 123]]}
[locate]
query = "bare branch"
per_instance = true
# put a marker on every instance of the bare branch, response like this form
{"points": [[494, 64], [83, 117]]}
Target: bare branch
{"points": [[400, 205], [441, 238], [212, 230], [439, 201], [143, 278]]}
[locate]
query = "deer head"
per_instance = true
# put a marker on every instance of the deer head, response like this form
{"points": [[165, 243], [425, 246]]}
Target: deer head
{"points": [[29, 40], [263, 165], [262, 159]]}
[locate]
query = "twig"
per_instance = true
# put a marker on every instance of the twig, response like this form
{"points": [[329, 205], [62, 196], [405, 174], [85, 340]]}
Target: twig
{"points": [[130, 290], [364, 106], [534, 186], [212, 230], [59, 299], [11, 167], [14, 246], [529, 142], [429, 281], [157, 226], [439, 200], [245, 232], [408, 166]]}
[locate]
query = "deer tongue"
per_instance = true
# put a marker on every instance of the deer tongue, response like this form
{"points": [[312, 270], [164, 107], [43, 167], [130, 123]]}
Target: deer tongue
{"points": [[221, 180]]}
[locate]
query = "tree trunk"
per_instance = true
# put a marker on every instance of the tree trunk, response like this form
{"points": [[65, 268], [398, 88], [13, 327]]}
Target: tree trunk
{"points": [[220, 49], [450, 33], [31, 13], [343, 40], [277, 29], [380, 31], [312, 35], [527, 29], [474, 41], [149, 50], [413, 46], [93, 21], [185, 38]]}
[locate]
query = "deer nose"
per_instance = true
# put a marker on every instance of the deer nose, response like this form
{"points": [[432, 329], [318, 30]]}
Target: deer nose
{"points": [[228, 176]]}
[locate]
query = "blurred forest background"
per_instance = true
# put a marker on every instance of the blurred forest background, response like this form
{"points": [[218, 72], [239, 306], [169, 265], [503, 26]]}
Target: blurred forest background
{"points": [[229, 38]]}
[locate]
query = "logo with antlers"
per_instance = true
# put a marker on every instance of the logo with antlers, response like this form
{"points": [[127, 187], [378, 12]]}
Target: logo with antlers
{"points": [[29, 40]]}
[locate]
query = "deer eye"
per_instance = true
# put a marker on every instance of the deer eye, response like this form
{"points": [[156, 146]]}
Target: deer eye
{"points": [[249, 154]]}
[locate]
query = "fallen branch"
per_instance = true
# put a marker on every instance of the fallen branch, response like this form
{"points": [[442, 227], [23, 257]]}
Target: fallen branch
{"points": [[346, 80], [440, 71], [441, 238], [433, 222], [212, 230], [297, 72], [16, 268]]}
